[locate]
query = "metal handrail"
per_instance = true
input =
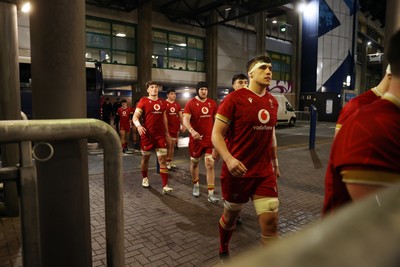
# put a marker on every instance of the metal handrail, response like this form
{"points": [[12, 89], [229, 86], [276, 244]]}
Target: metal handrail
{"points": [[13, 131], [365, 233]]}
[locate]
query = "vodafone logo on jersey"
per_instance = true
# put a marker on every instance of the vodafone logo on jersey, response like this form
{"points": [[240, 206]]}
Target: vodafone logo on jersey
{"points": [[263, 116], [204, 110], [156, 107], [124, 113], [172, 109]]}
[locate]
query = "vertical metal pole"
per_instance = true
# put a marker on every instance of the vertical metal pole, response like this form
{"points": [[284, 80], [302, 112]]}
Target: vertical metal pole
{"points": [[313, 127], [59, 91], [10, 104], [29, 208]]}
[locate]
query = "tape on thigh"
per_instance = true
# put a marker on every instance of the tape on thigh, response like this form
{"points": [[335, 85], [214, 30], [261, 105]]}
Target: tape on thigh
{"points": [[208, 156], [161, 151], [196, 160], [233, 206], [146, 153], [266, 204]]}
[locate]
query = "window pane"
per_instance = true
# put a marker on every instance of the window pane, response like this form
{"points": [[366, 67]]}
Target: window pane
{"points": [[160, 49], [160, 37], [195, 54], [123, 58], [97, 26], [123, 31], [275, 56], [177, 64], [195, 42], [92, 54], [160, 62], [276, 66], [98, 40], [200, 66], [126, 44], [177, 39], [177, 51]]}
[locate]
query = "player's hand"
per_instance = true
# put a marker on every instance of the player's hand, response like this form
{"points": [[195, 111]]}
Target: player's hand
{"points": [[196, 135], [141, 130], [277, 171], [236, 167]]}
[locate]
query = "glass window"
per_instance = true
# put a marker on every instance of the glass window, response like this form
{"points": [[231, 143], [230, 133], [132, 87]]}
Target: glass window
{"points": [[177, 39], [281, 66], [98, 40], [121, 43], [160, 49], [160, 37], [97, 26], [110, 41], [177, 51], [123, 31]]}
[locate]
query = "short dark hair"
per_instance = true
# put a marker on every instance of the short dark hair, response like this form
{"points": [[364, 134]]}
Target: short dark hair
{"points": [[239, 76], [393, 54], [254, 60], [171, 90], [150, 83], [123, 101]]}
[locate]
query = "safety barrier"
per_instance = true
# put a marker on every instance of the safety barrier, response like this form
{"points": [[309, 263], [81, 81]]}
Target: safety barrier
{"points": [[365, 233], [25, 174]]}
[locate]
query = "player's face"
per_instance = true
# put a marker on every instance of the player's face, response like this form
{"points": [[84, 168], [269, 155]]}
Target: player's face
{"points": [[153, 90], [172, 96], [262, 75], [124, 104], [239, 83], [203, 91]]}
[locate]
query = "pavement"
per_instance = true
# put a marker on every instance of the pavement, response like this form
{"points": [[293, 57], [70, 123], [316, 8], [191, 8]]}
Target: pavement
{"points": [[182, 230]]}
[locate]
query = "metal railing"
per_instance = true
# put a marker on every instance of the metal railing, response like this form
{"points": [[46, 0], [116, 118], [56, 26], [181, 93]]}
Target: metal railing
{"points": [[65, 129], [365, 233]]}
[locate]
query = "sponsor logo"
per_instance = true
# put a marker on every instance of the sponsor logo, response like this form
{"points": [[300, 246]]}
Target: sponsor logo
{"points": [[156, 107], [204, 110], [250, 99], [172, 109], [263, 116]]}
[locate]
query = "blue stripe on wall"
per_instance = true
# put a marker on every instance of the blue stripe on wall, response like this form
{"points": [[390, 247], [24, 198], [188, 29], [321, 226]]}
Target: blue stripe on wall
{"points": [[335, 83]]}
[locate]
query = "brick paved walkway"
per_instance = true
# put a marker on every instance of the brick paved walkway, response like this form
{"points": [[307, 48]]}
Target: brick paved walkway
{"points": [[180, 230]]}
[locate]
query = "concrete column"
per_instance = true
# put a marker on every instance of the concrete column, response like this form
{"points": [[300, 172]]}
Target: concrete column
{"points": [[260, 33], [10, 104], [295, 19], [59, 92], [145, 46], [211, 59], [392, 23]]}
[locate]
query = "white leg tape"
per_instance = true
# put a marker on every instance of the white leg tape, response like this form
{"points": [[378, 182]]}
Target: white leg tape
{"points": [[196, 160], [266, 204], [233, 206], [161, 152]]}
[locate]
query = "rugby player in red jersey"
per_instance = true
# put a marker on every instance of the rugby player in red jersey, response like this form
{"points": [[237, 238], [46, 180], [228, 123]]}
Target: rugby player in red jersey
{"points": [[365, 153], [250, 168], [198, 118], [125, 121], [153, 133], [174, 116]]}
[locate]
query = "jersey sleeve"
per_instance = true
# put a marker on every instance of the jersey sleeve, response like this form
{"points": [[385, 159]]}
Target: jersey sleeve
{"points": [[225, 110], [188, 109]]}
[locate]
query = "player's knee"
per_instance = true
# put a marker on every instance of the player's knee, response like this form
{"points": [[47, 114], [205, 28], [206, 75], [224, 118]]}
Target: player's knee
{"points": [[266, 204], [209, 161]]}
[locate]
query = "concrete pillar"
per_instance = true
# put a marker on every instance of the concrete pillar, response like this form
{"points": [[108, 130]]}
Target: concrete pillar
{"points": [[59, 92], [10, 104], [392, 23], [211, 59], [294, 19], [260, 33], [145, 46]]}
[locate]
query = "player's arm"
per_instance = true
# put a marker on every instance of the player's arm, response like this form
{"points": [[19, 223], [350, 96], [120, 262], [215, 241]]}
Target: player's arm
{"points": [[165, 120], [186, 123], [180, 114], [236, 168], [136, 121], [274, 154]]}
